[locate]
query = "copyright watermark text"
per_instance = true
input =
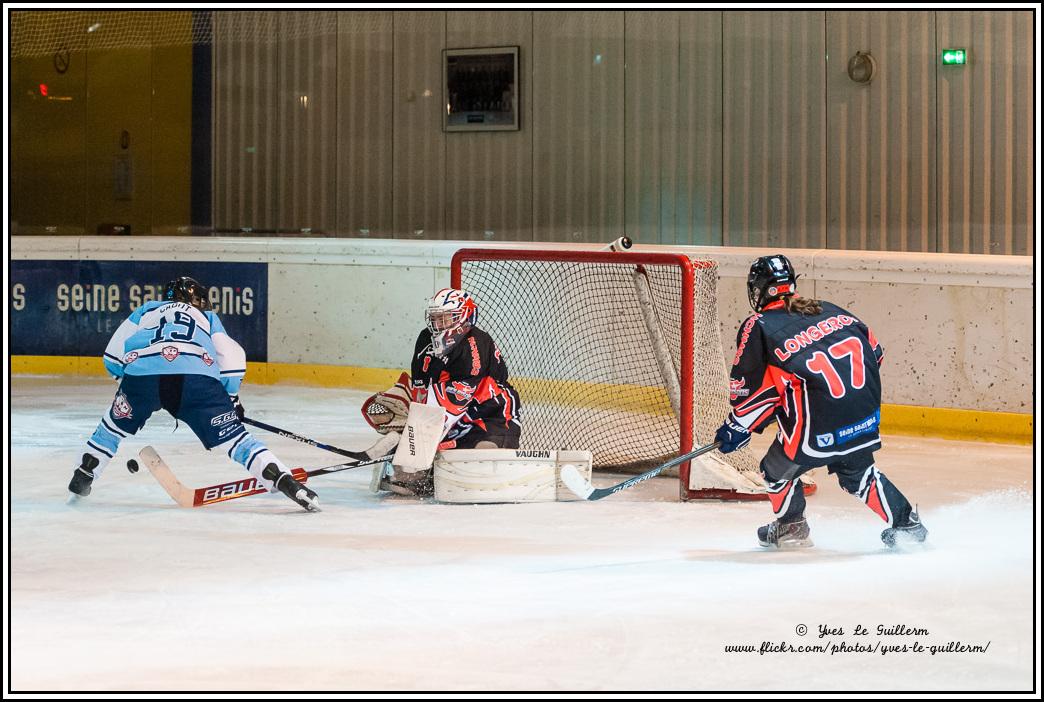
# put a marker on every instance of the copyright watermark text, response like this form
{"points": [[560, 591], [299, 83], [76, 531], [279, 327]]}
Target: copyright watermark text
{"points": [[876, 640]]}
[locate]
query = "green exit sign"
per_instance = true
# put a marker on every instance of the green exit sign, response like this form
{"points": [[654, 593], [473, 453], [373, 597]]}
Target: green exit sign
{"points": [[954, 57]]}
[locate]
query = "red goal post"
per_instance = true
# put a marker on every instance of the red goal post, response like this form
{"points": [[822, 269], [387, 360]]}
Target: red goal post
{"points": [[615, 352]]}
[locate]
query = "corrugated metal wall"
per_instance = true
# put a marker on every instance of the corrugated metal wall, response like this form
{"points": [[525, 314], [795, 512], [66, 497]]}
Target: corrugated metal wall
{"points": [[365, 97], [881, 135], [986, 127], [704, 127], [489, 175], [308, 127], [276, 117], [247, 110], [774, 171], [418, 142], [698, 144], [578, 125]]}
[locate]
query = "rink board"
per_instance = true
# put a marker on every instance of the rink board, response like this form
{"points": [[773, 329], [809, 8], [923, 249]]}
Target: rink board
{"points": [[957, 329]]}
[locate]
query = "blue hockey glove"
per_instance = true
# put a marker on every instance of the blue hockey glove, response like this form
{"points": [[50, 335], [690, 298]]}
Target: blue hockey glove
{"points": [[732, 436]]}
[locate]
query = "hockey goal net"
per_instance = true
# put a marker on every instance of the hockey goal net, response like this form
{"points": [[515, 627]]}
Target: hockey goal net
{"points": [[618, 353]]}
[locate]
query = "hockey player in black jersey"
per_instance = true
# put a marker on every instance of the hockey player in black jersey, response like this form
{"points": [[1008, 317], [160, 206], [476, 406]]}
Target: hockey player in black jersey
{"points": [[815, 369], [458, 367]]}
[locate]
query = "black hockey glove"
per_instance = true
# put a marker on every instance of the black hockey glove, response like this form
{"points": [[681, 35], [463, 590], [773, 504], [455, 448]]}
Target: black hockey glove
{"points": [[732, 436], [238, 406]]}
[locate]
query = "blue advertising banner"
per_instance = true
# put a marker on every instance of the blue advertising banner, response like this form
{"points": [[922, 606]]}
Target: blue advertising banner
{"points": [[71, 308]]}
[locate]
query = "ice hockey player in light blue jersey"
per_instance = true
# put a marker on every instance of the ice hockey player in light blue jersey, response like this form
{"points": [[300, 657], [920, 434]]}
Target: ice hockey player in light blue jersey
{"points": [[170, 338], [174, 354]]}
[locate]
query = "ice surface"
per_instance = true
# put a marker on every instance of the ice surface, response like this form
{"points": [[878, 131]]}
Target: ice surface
{"points": [[637, 592]]}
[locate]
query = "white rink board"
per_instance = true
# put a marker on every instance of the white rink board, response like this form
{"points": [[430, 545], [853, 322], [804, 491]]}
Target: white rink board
{"points": [[356, 316], [937, 315], [635, 592]]}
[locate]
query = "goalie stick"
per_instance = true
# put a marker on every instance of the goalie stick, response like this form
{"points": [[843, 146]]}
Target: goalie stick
{"points": [[244, 487], [582, 488], [354, 455]]}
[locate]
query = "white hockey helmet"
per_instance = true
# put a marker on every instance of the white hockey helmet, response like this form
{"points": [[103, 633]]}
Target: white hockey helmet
{"points": [[450, 315]]}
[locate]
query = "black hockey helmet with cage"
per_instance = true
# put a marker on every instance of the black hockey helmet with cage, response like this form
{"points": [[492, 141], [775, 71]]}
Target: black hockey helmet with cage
{"points": [[190, 290], [770, 278]]}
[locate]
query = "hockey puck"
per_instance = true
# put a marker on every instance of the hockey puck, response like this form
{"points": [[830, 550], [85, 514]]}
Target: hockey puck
{"points": [[132, 465]]}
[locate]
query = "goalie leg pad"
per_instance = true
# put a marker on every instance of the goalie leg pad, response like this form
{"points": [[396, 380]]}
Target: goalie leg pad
{"points": [[481, 476]]}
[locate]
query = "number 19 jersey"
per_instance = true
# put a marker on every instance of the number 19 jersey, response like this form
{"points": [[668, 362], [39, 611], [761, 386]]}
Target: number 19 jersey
{"points": [[163, 338], [817, 375]]}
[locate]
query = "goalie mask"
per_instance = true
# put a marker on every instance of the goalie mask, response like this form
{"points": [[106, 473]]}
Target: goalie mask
{"points": [[190, 290], [770, 278], [450, 315]]}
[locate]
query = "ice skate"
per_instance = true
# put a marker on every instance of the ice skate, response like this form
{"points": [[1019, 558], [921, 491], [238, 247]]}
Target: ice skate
{"points": [[379, 477], [400, 483], [382, 480], [785, 535], [296, 491], [910, 533], [80, 485], [412, 488]]}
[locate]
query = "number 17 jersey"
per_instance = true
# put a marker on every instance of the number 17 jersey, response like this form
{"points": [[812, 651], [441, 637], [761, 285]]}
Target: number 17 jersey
{"points": [[817, 375]]}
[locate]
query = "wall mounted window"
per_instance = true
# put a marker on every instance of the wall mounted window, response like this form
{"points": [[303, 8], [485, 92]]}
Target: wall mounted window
{"points": [[481, 89]]}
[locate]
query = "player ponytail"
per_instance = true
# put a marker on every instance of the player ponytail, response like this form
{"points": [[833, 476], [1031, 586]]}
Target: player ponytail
{"points": [[795, 304]]}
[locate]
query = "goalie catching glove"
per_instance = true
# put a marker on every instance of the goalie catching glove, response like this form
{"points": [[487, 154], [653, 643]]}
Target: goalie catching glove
{"points": [[386, 411]]}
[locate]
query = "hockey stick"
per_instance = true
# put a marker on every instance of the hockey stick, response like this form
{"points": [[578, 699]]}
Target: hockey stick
{"points": [[582, 488], [200, 497], [354, 455]]}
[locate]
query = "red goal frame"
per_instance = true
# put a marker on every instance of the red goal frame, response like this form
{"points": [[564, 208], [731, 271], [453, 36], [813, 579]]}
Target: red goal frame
{"points": [[688, 275]]}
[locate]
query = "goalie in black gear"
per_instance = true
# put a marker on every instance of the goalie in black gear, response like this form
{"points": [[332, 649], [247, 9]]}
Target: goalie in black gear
{"points": [[458, 367], [815, 369]]}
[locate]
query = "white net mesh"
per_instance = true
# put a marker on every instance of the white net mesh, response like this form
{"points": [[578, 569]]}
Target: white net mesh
{"points": [[581, 351], [46, 32]]}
